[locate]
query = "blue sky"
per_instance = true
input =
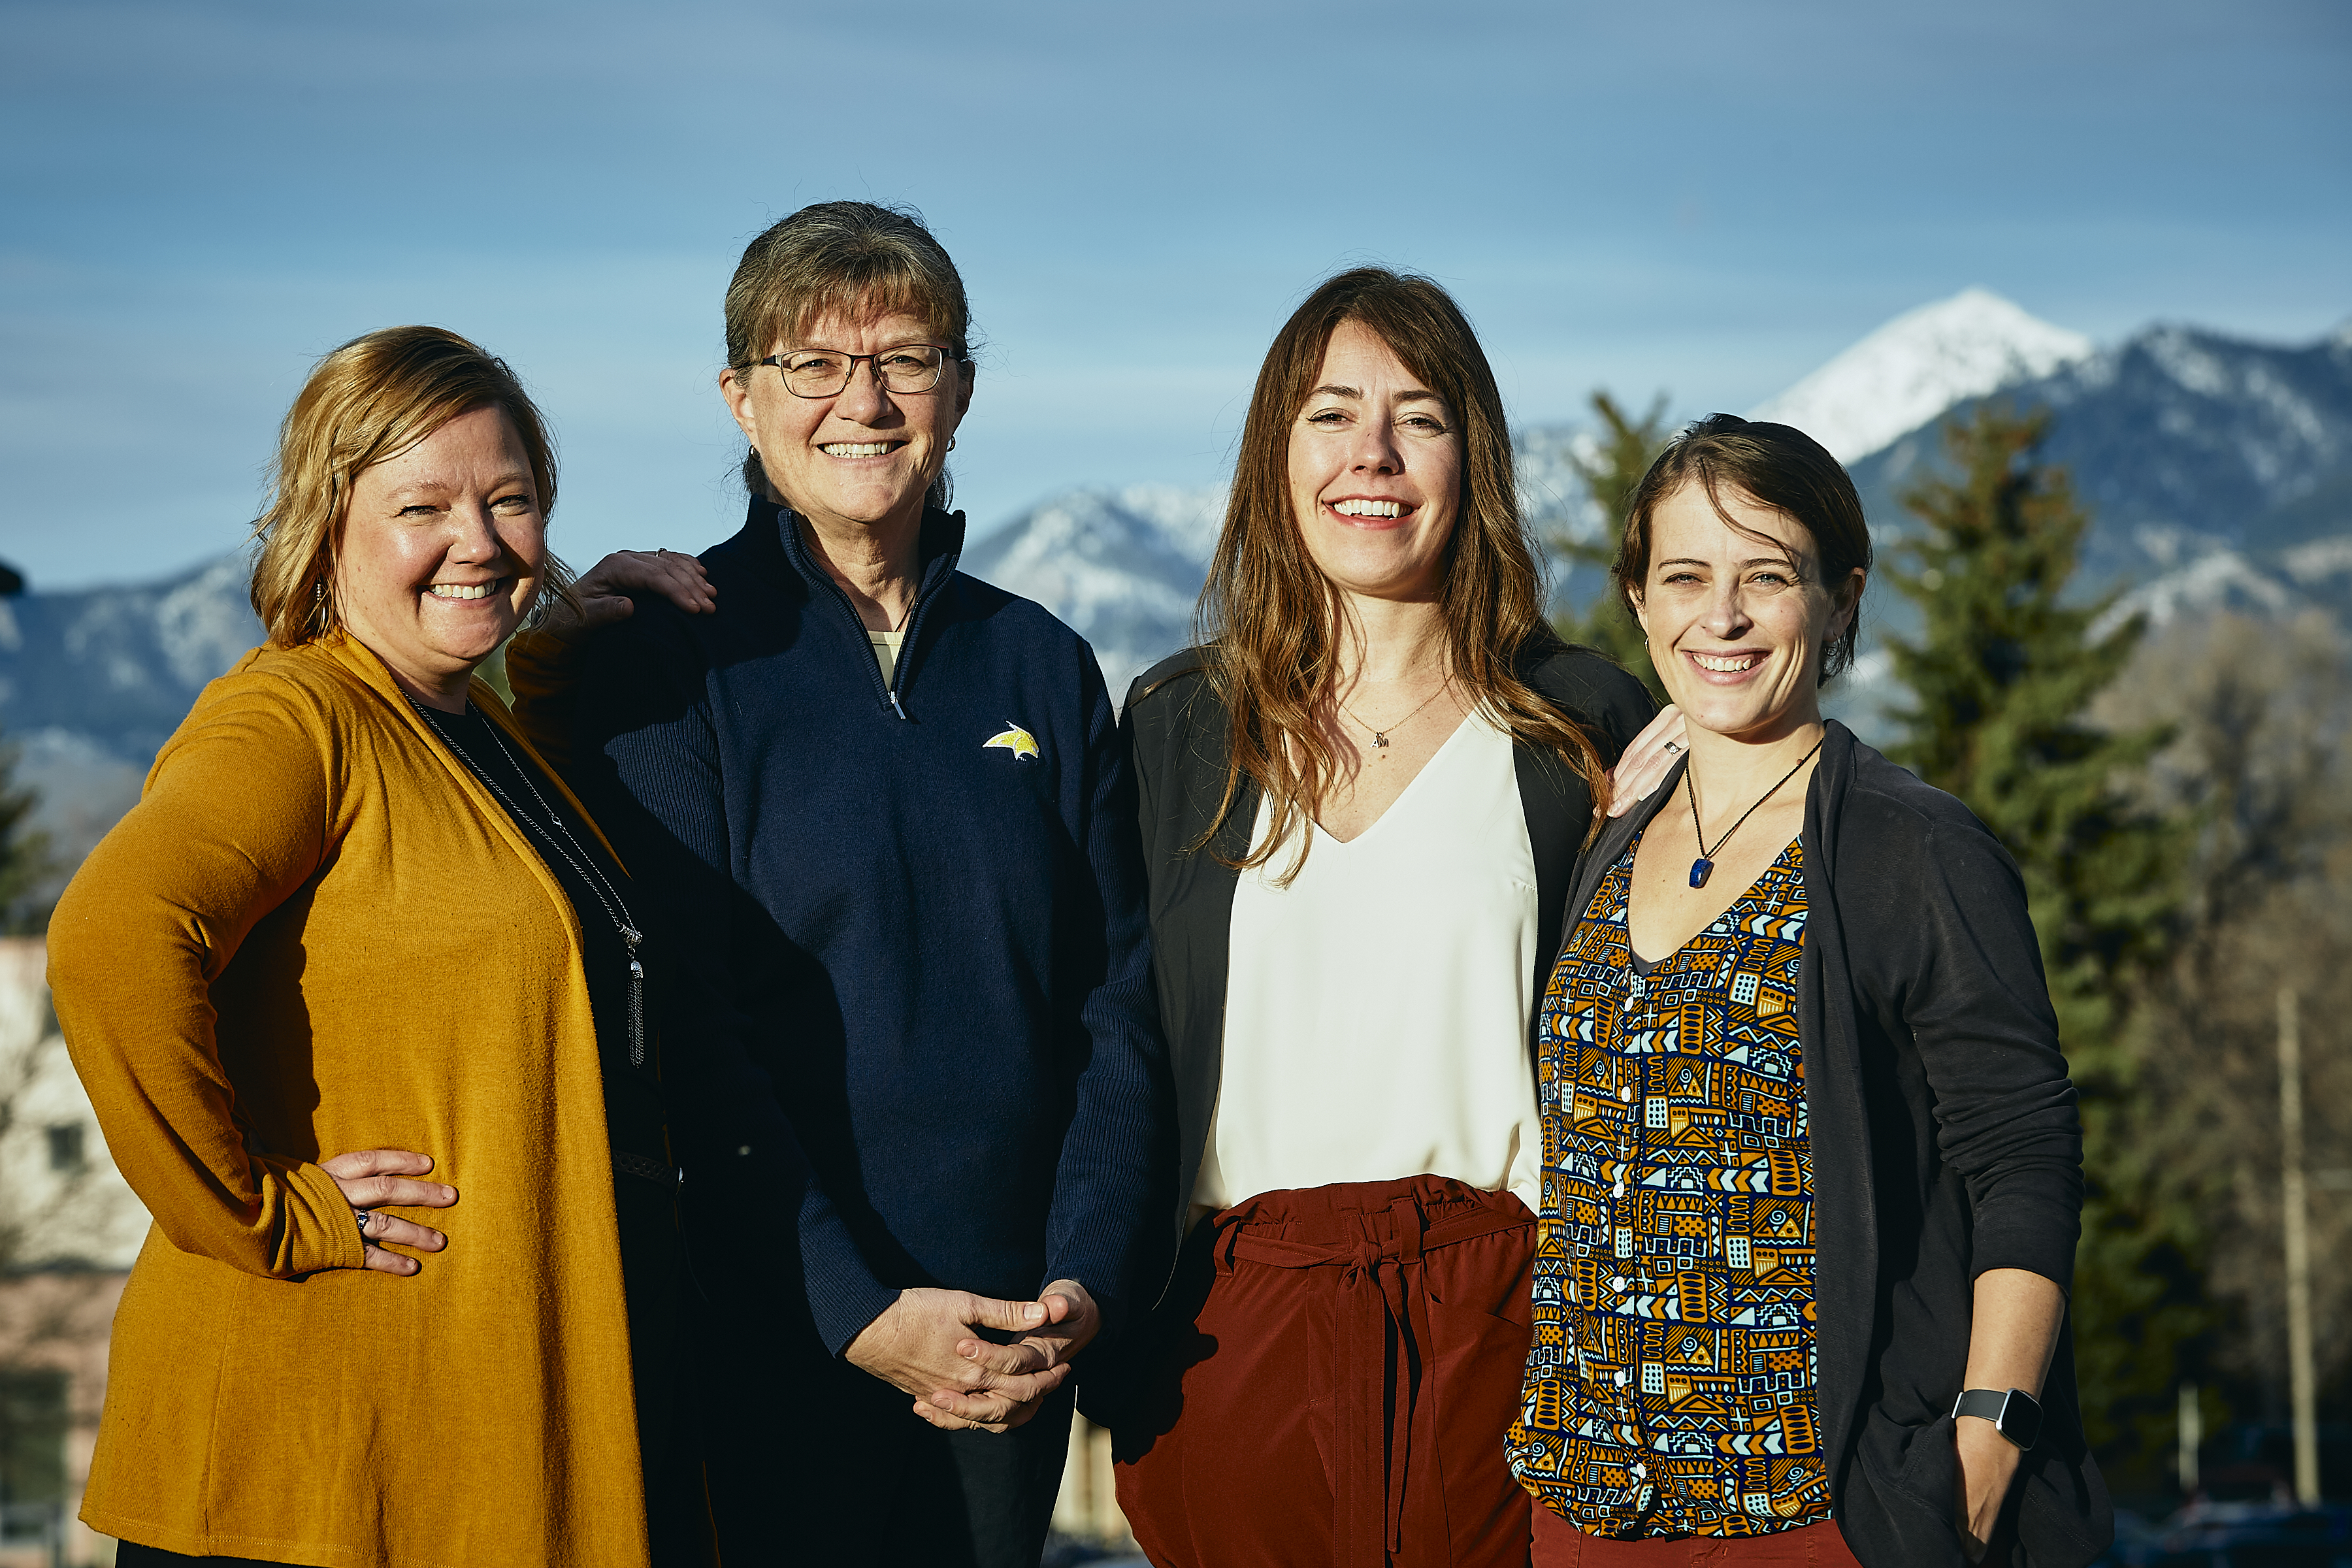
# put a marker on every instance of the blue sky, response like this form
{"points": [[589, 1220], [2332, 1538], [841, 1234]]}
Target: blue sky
{"points": [[197, 199]]}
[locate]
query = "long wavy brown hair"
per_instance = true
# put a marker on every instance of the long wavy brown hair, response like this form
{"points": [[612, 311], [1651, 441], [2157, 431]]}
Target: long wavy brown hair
{"points": [[1271, 621]]}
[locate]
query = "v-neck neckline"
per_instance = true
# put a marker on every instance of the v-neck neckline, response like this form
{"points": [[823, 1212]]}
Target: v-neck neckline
{"points": [[1625, 867], [1326, 836]]}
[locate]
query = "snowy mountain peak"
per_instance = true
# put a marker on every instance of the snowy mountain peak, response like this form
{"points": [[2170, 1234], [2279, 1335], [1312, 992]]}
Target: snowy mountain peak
{"points": [[1121, 567], [1917, 366]]}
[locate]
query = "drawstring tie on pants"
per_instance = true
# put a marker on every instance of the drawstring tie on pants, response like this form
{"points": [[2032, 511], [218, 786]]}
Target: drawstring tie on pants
{"points": [[1380, 1317]]}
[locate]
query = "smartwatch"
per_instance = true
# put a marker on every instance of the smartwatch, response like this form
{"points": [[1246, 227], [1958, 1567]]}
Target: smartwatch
{"points": [[2014, 1413]]}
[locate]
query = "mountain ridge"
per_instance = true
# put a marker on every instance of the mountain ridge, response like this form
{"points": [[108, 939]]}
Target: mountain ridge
{"points": [[2219, 470], [1907, 371]]}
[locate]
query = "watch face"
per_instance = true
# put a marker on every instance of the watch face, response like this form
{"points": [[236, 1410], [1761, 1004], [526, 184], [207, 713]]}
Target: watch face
{"points": [[2021, 1418]]}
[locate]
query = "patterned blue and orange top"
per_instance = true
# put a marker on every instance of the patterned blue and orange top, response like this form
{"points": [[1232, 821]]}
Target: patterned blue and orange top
{"points": [[1670, 1386]]}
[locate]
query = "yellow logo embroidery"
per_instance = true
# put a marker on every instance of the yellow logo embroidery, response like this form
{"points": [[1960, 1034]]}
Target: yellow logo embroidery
{"points": [[1014, 739]]}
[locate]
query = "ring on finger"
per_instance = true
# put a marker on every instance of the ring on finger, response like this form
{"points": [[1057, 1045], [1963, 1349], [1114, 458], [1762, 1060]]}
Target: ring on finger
{"points": [[1670, 746]]}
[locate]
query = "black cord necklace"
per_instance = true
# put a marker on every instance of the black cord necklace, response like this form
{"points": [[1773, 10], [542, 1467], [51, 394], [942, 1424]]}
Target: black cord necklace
{"points": [[582, 865], [1704, 867]]}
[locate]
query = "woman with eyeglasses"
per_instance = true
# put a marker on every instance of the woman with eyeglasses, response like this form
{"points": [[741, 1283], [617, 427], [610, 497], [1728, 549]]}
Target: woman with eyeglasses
{"points": [[884, 808]]}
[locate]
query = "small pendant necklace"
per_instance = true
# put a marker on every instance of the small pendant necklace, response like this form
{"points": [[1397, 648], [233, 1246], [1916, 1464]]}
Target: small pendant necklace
{"points": [[1380, 736], [1704, 867]]}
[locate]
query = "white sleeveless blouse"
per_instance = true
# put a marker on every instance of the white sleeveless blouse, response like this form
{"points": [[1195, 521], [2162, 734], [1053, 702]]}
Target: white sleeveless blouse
{"points": [[1376, 1010]]}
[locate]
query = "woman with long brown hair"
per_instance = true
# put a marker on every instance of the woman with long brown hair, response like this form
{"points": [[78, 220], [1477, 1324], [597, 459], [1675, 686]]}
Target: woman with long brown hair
{"points": [[1362, 797]]}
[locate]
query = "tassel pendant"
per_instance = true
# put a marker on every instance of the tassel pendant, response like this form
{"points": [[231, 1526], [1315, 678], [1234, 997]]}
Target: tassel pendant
{"points": [[1701, 869], [637, 999]]}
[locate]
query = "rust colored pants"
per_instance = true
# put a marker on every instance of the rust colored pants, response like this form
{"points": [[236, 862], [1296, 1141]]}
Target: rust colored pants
{"points": [[1332, 1384], [1559, 1545]]}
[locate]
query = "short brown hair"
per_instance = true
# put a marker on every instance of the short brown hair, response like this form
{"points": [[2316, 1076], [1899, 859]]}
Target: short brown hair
{"points": [[1270, 618], [1777, 466], [848, 259], [368, 401]]}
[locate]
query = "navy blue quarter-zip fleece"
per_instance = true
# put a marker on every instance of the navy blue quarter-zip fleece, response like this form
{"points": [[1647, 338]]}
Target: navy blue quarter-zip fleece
{"points": [[906, 923]]}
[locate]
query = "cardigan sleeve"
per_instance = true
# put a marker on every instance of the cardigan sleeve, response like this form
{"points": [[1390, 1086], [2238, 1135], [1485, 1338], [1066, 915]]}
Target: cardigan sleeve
{"points": [[645, 760], [1968, 983], [235, 816], [1116, 1162]]}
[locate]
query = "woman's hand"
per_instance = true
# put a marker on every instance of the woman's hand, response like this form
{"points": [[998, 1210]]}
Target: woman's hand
{"points": [[1989, 1464], [604, 588], [913, 1346], [1071, 1321], [1646, 762], [374, 1179], [2017, 1316]]}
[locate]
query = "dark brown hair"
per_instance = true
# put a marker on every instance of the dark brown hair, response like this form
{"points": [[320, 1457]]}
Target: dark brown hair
{"points": [[1272, 621], [845, 259], [1776, 465], [368, 401]]}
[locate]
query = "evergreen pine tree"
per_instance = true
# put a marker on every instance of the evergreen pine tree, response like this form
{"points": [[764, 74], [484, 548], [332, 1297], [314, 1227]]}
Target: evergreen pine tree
{"points": [[1611, 475], [2002, 676]]}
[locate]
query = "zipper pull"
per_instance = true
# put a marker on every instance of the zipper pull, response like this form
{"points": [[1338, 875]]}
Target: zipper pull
{"points": [[894, 704]]}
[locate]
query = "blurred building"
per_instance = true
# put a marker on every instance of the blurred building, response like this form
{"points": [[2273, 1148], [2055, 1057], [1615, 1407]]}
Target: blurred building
{"points": [[69, 1231]]}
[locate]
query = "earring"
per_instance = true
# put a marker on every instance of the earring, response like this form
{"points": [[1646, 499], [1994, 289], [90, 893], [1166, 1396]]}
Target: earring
{"points": [[951, 443]]}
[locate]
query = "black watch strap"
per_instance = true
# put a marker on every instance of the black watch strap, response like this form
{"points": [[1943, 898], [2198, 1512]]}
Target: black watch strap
{"points": [[2014, 1413]]}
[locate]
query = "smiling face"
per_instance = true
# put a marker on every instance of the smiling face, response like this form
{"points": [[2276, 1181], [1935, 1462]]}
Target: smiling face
{"points": [[1738, 618], [866, 455], [1375, 471], [442, 552]]}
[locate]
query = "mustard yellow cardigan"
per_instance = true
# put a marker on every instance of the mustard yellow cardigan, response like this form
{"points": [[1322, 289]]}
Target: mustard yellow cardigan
{"points": [[317, 932]]}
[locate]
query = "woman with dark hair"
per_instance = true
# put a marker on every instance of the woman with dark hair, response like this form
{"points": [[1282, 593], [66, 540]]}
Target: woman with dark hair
{"points": [[885, 810], [354, 953], [1812, 1164], [1361, 800]]}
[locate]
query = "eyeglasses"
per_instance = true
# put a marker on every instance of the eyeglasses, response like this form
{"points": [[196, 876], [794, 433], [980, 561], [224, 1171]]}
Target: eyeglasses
{"points": [[824, 373]]}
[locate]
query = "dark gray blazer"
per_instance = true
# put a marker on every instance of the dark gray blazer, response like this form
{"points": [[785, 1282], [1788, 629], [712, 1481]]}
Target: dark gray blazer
{"points": [[1945, 1142], [1177, 732]]}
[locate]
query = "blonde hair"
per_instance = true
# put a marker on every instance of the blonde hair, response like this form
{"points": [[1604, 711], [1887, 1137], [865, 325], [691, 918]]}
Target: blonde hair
{"points": [[370, 400], [842, 258], [1271, 622]]}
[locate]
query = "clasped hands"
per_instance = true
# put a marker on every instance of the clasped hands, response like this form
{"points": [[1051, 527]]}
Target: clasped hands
{"points": [[925, 1344]]}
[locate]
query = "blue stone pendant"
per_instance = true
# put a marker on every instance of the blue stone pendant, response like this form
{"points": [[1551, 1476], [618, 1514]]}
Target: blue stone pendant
{"points": [[1701, 868]]}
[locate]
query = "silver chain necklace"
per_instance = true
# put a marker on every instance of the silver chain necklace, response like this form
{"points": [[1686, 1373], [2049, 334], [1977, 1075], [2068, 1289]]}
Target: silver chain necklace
{"points": [[582, 867]]}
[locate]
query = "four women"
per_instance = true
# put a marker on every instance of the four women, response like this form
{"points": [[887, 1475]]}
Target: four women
{"points": [[887, 955]]}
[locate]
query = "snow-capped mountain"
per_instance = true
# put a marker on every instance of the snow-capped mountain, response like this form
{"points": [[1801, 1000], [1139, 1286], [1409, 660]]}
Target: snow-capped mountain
{"points": [[2219, 471], [1123, 567], [1919, 364], [91, 682], [119, 666]]}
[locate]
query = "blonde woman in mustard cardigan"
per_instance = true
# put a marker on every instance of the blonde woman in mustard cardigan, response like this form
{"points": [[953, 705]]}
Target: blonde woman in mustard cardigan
{"points": [[355, 954]]}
